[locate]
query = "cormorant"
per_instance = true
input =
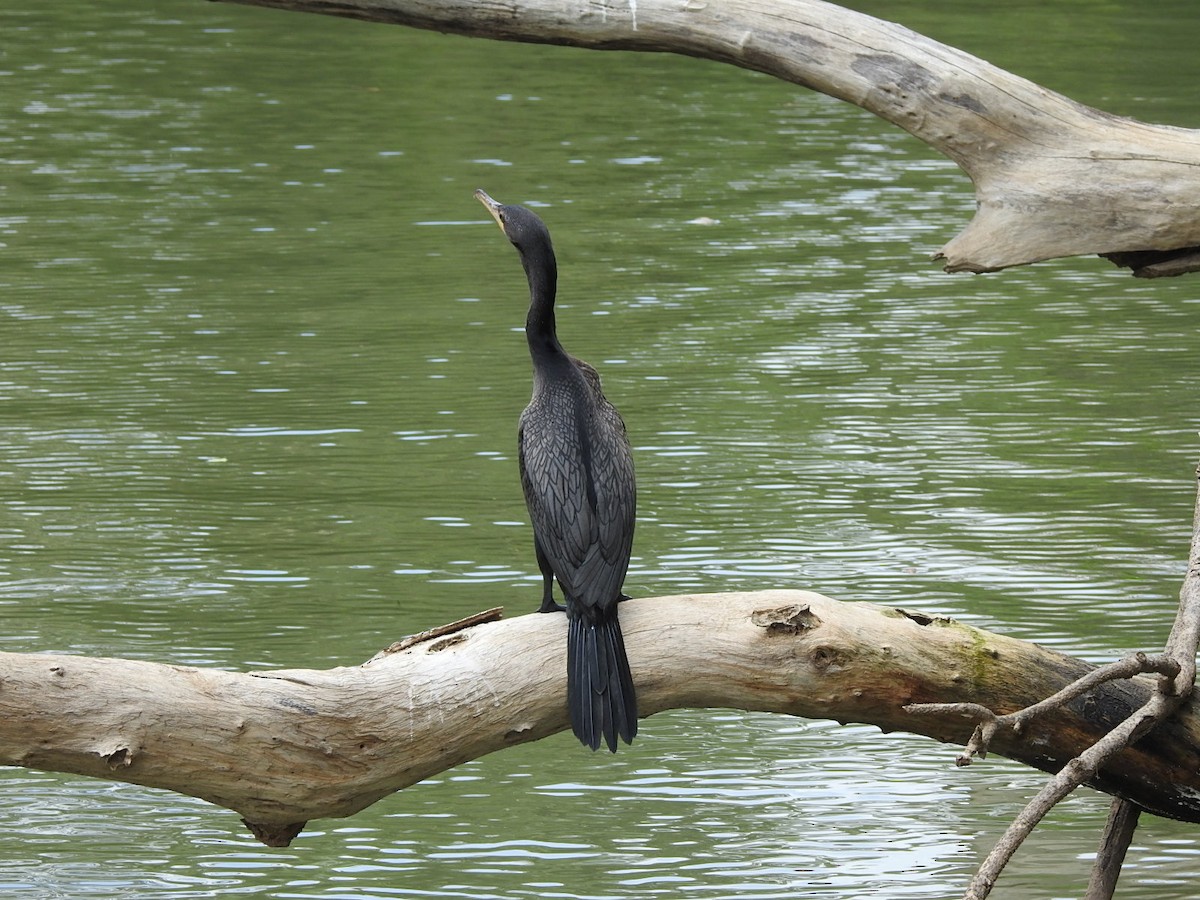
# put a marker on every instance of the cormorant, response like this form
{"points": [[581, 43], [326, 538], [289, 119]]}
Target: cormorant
{"points": [[577, 474]]}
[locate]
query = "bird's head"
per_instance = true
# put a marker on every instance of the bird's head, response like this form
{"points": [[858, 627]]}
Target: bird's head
{"points": [[527, 232]]}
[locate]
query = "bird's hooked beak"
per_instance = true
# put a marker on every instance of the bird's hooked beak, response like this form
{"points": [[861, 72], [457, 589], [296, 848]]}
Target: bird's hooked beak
{"points": [[492, 206]]}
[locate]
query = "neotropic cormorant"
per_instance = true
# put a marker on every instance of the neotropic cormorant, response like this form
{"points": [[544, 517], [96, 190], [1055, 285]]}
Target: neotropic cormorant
{"points": [[577, 474]]}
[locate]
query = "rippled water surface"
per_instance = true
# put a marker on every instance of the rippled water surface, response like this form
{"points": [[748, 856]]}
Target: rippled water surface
{"points": [[261, 369]]}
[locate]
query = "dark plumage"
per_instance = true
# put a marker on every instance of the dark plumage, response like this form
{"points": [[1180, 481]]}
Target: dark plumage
{"points": [[577, 473]]}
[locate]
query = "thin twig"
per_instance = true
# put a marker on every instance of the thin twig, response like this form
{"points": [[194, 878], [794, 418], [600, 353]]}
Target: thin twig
{"points": [[1062, 783], [990, 723]]}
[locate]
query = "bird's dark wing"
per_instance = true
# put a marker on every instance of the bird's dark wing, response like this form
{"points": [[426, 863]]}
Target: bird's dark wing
{"points": [[551, 461], [577, 474], [615, 491], [611, 466]]}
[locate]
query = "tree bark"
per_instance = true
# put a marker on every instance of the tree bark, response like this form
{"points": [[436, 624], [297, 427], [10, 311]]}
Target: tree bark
{"points": [[1052, 177], [285, 747]]}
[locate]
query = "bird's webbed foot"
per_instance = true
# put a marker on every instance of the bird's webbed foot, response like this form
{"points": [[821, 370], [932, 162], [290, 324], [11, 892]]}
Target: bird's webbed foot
{"points": [[549, 606]]}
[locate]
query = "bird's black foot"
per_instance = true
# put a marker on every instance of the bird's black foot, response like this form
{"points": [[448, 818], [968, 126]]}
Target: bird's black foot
{"points": [[623, 597], [548, 605]]}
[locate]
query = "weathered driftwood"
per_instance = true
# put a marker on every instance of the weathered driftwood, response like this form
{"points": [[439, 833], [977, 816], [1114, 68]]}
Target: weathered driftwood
{"points": [[284, 747], [1052, 177]]}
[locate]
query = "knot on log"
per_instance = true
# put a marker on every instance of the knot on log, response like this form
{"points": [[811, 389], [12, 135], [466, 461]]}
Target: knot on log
{"points": [[790, 619], [829, 659]]}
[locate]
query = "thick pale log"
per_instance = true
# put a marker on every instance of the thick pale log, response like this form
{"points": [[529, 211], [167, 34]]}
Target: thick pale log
{"points": [[1052, 177], [284, 747]]}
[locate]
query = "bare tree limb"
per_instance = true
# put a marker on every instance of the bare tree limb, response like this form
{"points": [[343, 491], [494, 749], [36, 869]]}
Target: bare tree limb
{"points": [[1078, 771], [990, 723], [284, 747], [1176, 675], [1114, 842], [1185, 633], [1052, 177]]}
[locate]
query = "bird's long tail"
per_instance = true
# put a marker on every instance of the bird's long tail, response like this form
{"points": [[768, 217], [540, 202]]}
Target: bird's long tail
{"points": [[599, 685]]}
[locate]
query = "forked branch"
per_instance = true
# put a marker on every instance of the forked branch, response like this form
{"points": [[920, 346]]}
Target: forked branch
{"points": [[990, 722], [1176, 670]]}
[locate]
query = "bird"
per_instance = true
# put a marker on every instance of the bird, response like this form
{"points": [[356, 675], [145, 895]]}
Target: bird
{"points": [[577, 475]]}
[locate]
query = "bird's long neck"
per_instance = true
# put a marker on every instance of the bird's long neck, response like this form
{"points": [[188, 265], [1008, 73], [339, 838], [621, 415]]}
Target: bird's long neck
{"points": [[542, 272]]}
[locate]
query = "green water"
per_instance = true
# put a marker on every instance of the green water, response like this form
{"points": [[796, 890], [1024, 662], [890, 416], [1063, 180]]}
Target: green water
{"points": [[259, 379]]}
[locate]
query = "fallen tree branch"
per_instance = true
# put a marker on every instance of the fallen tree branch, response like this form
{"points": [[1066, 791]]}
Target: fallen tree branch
{"points": [[1176, 670], [285, 747], [1052, 177]]}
